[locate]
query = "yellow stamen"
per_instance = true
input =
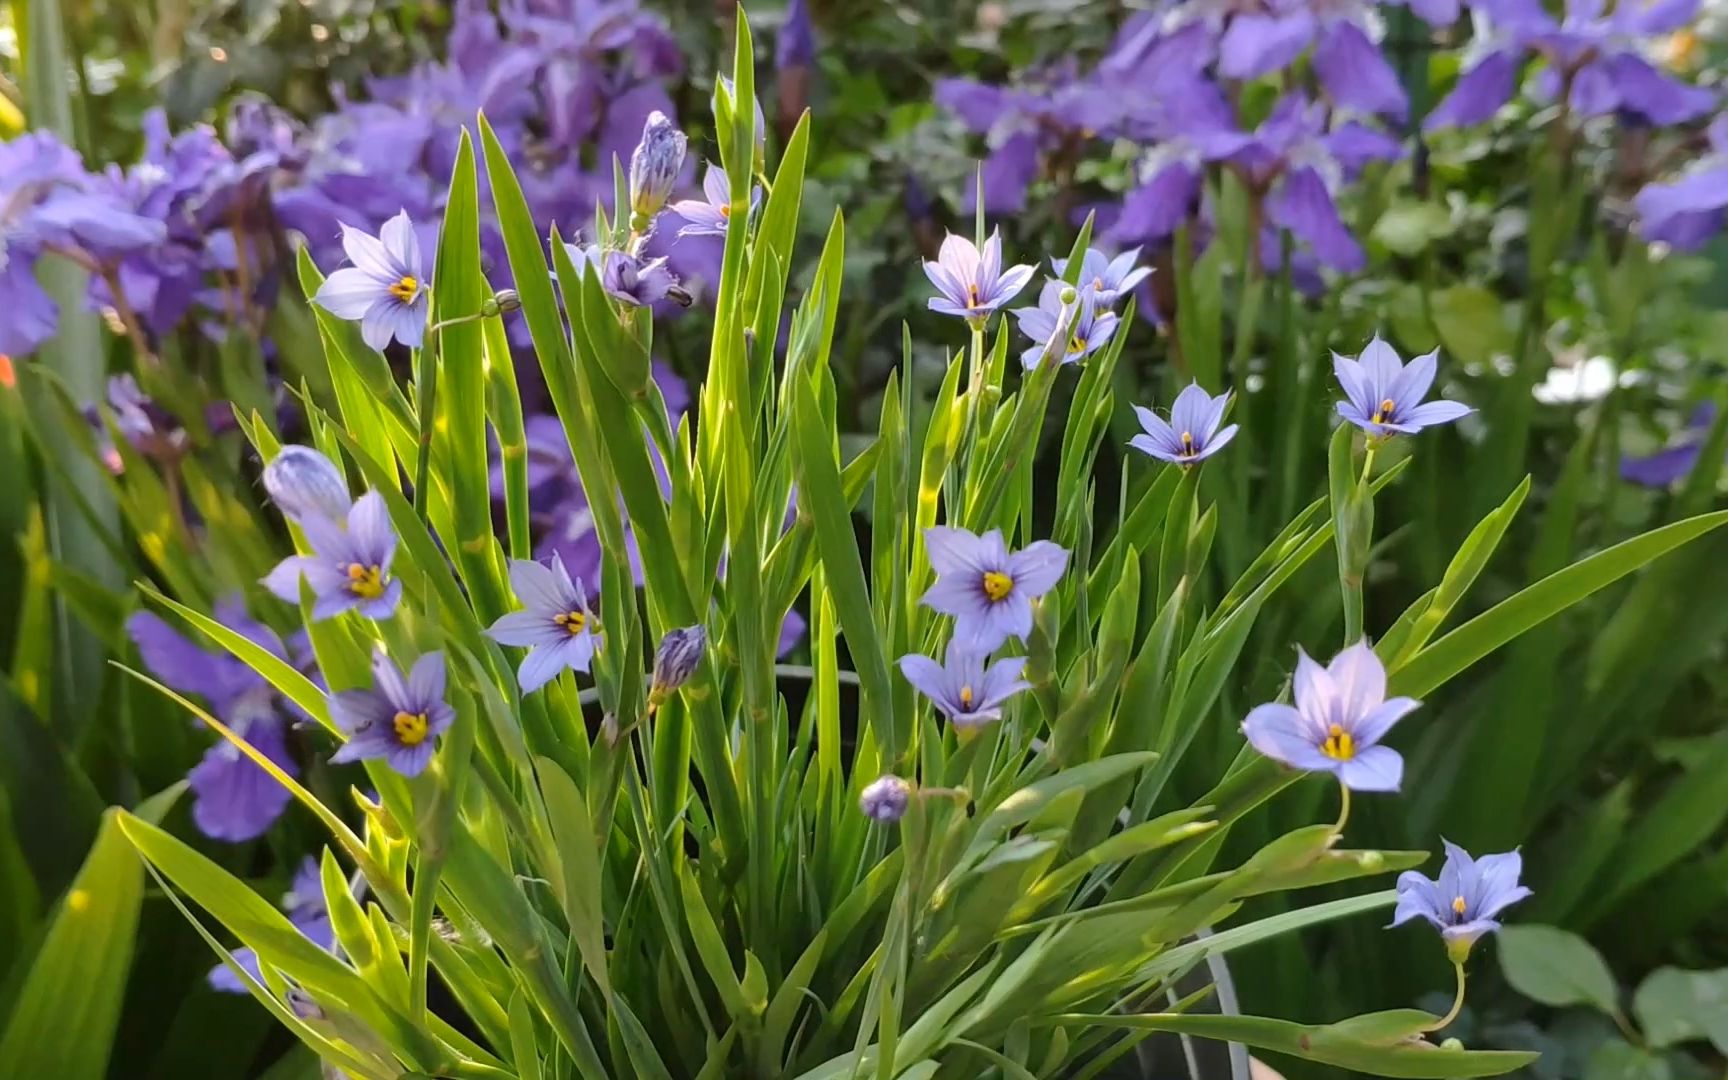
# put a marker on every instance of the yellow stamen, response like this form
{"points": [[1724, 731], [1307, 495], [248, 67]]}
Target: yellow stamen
{"points": [[406, 288], [411, 728], [1458, 904], [997, 585], [1098, 284], [1385, 410], [972, 296], [366, 582], [1187, 444], [1339, 745], [573, 622], [966, 697], [1075, 345], [725, 210]]}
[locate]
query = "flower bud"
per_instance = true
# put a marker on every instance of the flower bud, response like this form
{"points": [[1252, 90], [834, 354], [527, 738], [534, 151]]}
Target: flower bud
{"points": [[654, 165], [304, 483], [302, 1004], [503, 302], [1453, 1043], [886, 799], [676, 659], [1069, 295], [1371, 861]]}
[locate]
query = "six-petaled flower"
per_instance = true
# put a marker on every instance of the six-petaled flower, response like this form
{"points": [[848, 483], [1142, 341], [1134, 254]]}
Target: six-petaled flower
{"points": [[1106, 279], [385, 289], [1191, 434], [1340, 716], [1384, 394], [972, 283], [399, 719], [988, 590], [1464, 901], [349, 568], [962, 688], [555, 624], [1088, 322]]}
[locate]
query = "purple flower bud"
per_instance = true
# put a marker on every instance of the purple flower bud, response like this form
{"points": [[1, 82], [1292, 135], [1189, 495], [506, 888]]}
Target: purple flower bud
{"points": [[503, 302], [654, 165], [676, 660], [886, 799], [302, 1004], [304, 483]]}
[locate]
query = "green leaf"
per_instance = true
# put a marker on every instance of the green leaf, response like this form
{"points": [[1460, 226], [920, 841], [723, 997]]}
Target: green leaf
{"points": [[1617, 1060], [1556, 967], [1555, 593], [1408, 228], [578, 886], [1471, 323], [1675, 1006]]}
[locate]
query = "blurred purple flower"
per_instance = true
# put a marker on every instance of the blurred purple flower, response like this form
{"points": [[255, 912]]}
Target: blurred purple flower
{"points": [[556, 624], [1192, 433], [1675, 462], [349, 568], [987, 590], [385, 289], [1384, 395], [1687, 212], [1349, 64], [306, 909], [1090, 325], [962, 688], [796, 44], [233, 798], [399, 719], [1463, 902], [972, 283], [1340, 716]]}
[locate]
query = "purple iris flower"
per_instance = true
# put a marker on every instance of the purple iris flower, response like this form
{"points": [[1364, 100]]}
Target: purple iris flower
{"points": [[1349, 64], [1463, 903], [1385, 394], [708, 216], [1105, 279], [972, 282], [987, 590], [1092, 326], [796, 44], [555, 624], [969, 694], [1675, 462], [349, 568], [885, 799], [1192, 433], [233, 798], [1687, 212], [1598, 56], [399, 719], [385, 289], [146, 426], [306, 909], [1340, 716]]}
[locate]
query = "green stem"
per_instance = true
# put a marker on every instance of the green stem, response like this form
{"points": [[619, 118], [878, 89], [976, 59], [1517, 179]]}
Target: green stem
{"points": [[1343, 809], [1457, 1003], [426, 379]]}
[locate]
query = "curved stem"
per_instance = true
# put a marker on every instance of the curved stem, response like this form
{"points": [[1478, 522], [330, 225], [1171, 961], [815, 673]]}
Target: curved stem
{"points": [[1457, 1003], [1343, 808]]}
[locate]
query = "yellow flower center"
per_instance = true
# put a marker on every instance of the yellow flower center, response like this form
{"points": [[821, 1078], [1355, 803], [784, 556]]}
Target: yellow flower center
{"points": [[405, 288], [1098, 284], [1458, 904], [1187, 444], [573, 622], [1339, 745], [411, 728], [966, 697], [1681, 51], [1076, 345], [725, 210], [366, 582], [1385, 410], [997, 585], [972, 296]]}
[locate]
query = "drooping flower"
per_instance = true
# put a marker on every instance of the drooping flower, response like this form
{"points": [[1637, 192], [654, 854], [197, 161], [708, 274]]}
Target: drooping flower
{"points": [[634, 280], [1106, 279], [305, 905], [399, 719], [556, 623], [987, 590], [1687, 212], [885, 800], [708, 216], [654, 165], [972, 282], [349, 568], [1340, 716], [385, 289], [1463, 903], [233, 798], [1090, 325], [304, 483], [1384, 394], [1192, 433], [969, 694], [676, 659]]}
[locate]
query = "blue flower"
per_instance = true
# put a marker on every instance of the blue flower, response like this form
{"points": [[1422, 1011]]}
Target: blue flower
{"points": [[399, 719], [1104, 279], [349, 567], [1385, 394], [1340, 716], [1192, 433], [1463, 903], [385, 289], [972, 282], [708, 216], [987, 590], [1090, 325], [306, 909], [963, 689], [555, 623]]}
